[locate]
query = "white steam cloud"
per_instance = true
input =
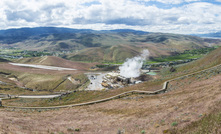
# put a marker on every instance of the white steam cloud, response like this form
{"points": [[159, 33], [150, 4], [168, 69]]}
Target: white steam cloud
{"points": [[131, 68]]}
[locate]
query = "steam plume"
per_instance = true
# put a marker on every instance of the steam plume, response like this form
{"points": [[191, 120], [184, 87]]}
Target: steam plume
{"points": [[131, 68]]}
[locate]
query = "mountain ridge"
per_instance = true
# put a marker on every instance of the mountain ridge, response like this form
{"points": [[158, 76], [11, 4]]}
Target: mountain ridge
{"points": [[210, 35]]}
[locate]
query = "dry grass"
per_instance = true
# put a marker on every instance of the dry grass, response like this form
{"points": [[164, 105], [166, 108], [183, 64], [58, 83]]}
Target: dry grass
{"points": [[155, 114]]}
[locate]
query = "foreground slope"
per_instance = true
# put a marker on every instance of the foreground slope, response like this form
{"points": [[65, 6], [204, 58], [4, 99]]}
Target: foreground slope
{"points": [[164, 113]]}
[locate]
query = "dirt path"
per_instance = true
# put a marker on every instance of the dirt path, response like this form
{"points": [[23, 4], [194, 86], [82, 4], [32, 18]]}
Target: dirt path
{"points": [[43, 59]]}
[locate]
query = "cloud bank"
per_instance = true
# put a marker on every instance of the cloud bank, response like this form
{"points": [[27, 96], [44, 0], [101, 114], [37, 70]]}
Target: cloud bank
{"points": [[175, 16]]}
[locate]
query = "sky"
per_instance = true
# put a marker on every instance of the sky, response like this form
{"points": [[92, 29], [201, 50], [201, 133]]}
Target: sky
{"points": [[168, 16]]}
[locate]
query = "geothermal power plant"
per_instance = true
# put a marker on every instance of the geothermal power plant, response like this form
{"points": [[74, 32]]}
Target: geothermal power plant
{"points": [[129, 73], [115, 80]]}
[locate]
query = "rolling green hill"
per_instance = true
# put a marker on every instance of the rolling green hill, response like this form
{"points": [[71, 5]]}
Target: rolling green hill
{"points": [[116, 53]]}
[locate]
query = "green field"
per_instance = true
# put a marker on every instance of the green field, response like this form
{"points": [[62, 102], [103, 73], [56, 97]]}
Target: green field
{"points": [[188, 54], [175, 58], [10, 54]]}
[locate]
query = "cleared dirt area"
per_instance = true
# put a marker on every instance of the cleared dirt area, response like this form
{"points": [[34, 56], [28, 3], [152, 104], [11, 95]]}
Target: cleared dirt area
{"points": [[20, 69], [56, 61], [95, 81], [47, 61], [42, 67], [133, 114]]}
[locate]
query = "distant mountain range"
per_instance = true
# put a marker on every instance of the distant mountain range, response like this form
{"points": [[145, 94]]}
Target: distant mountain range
{"points": [[105, 45], [27, 32], [39, 31], [10, 36], [210, 35]]}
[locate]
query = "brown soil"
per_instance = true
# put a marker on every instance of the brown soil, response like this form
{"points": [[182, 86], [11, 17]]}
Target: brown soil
{"points": [[132, 114]]}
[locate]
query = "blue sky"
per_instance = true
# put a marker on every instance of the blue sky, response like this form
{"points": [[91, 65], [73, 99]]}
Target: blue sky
{"points": [[173, 16], [169, 5]]}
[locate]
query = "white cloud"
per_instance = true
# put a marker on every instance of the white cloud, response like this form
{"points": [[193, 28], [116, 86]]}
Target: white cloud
{"points": [[110, 14], [170, 1]]}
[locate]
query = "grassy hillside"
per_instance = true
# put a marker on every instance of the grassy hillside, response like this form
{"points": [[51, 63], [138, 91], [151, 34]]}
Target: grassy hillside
{"points": [[105, 54]]}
